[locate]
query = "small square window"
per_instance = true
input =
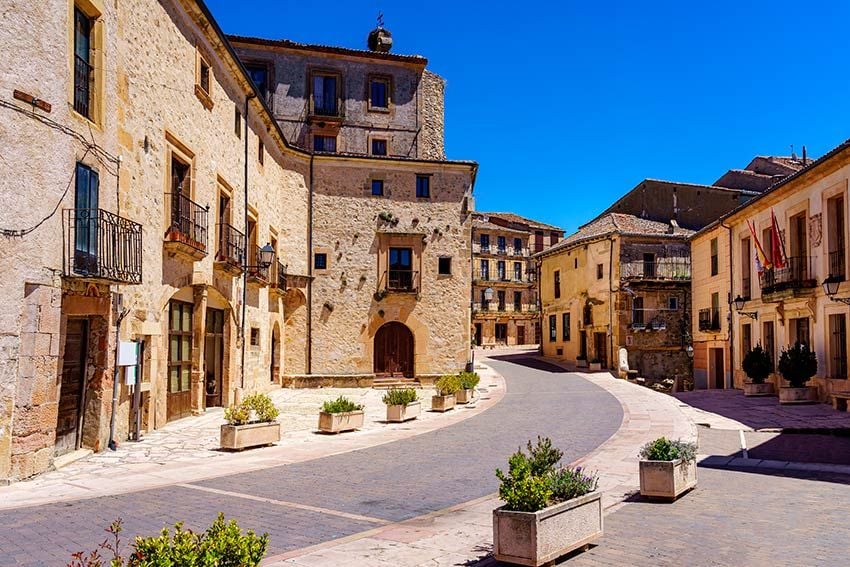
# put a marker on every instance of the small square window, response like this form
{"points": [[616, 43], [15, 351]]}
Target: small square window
{"points": [[324, 143], [379, 94], [673, 303], [600, 271], [204, 76], [445, 266], [320, 261], [378, 187], [261, 152], [379, 147], [255, 336], [423, 186], [237, 121]]}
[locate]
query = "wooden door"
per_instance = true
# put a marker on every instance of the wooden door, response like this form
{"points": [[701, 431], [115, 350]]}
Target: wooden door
{"points": [[394, 350], [601, 343], [718, 377], [520, 335], [179, 398], [213, 357], [478, 334], [69, 419]]}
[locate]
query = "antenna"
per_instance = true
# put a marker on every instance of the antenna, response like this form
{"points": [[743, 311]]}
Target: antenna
{"points": [[380, 19]]}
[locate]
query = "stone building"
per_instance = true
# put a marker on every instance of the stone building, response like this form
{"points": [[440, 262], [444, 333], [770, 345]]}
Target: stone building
{"points": [[173, 213], [505, 307]]}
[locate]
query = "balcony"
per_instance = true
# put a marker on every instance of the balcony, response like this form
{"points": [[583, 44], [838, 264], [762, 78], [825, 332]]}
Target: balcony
{"points": [[187, 232], [325, 111], [837, 265], [257, 273], [662, 269], [709, 320], [231, 249], [83, 78], [486, 277], [478, 248], [102, 246], [777, 283], [507, 309], [400, 281], [649, 319]]}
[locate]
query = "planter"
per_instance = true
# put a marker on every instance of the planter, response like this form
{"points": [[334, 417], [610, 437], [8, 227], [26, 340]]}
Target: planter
{"points": [[464, 396], [667, 479], [443, 403], [581, 362], [595, 366], [804, 395], [763, 389], [536, 538], [237, 437], [399, 413], [339, 422]]}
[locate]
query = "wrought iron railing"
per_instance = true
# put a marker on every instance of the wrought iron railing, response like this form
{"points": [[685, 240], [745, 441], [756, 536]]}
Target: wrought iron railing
{"points": [[660, 269], [101, 245], [401, 280], [188, 222], [709, 319], [489, 276], [231, 246], [794, 275], [83, 77], [494, 307], [279, 280], [837, 265], [256, 270], [328, 108]]}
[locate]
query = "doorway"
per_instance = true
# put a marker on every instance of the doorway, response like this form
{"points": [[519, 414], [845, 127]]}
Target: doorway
{"points": [[478, 334], [69, 420], [520, 334], [718, 378], [394, 350], [502, 333], [600, 343], [179, 398], [274, 363], [582, 345], [214, 357]]}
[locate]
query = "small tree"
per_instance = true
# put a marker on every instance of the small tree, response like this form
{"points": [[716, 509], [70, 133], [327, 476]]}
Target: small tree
{"points": [[798, 364], [756, 364]]}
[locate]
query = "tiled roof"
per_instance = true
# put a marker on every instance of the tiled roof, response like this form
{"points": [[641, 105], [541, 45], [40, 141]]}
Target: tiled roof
{"points": [[511, 217], [479, 224], [289, 44]]}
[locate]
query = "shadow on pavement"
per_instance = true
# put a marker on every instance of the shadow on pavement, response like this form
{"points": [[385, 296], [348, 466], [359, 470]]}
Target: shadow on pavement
{"points": [[720, 463], [525, 360]]}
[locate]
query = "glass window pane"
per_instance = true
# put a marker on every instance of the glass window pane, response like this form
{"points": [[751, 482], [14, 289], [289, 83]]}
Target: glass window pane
{"points": [[174, 379]]}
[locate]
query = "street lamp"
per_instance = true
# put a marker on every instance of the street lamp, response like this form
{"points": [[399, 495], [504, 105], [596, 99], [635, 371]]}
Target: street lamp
{"points": [[830, 287], [488, 294], [739, 304], [690, 351], [266, 255]]}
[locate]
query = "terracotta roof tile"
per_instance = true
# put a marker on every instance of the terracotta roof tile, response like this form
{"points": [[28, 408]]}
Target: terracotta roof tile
{"points": [[289, 44]]}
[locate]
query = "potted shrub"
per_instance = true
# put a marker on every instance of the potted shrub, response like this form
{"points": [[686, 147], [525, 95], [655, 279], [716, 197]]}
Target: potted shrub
{"points": [[340, 415], [595, 364], [468, 382], [667, 468], [447, 386], [402, 404], [757, 365], [251, 423], [549, 511], [798, 364]]}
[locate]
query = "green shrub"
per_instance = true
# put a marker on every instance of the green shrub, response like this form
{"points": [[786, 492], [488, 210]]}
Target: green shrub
{"points": [[663, 449], [757, 365], [520, 489], [798, 364], [567, 483], [543, 457], [256, 408], [400, 396], [447, 385], [340, 405], [469, 380]]}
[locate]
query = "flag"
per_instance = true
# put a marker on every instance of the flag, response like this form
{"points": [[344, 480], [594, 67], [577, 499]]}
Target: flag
{"points": [[762, 263], [777, 248]]}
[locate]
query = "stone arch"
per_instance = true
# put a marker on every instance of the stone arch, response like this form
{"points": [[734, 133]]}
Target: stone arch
{"points": [[394, 350]]}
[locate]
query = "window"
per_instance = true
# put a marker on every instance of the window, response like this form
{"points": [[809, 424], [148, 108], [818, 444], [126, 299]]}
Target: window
{"points": [[553, 238], [714, 265], [769, 342], [378, 187], [649, 265], [261, 151], [203, 80], [637, 311], [237, 121], [553, 330], [501, 296], [320, 261], [517, 246], [500, 270], [800, 331], [484, 303], [835, 237], [600, 271], [204, 76], [565, 326], [575, 263], [517, 301], [86, 193], [838, 346], [501, 244], [518, 271], [400, 276], [255, 336], [746, 339], [324, 143], [588, 315], [673, 303], [379, 147], [325, 95], [83, 68], [557, 284], [379, 94], [714, 323], [423, 186], [180, 347], [259, 74], [485, 270], [444, 266], [746, 269], [484, 240]]}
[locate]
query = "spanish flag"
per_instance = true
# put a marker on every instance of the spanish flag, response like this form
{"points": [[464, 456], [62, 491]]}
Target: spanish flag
{"points": [[762, 263]]}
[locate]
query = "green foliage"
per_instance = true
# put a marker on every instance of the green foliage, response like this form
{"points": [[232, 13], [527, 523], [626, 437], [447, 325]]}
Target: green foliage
{"points": [[447, 385], [663, 449], [469, 380], [543, 457], [400, 396], [222, 545], [521, 490], [757, 365], [567, 483], [798, 364], [257, 408], [340, 405]]}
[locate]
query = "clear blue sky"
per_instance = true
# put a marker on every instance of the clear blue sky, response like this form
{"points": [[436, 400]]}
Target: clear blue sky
{"points": [[567, 105]]}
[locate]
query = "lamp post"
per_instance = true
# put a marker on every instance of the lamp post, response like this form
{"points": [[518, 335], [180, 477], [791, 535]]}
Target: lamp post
{"points": [[264, 260], [830, 287], [739, 303]]}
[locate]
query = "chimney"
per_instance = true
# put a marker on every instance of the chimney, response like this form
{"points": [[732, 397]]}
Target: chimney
{"points": [[804, 156], [674, 226]]}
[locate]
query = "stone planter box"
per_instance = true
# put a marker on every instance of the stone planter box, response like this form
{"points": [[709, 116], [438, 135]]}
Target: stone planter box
{"points": [[667, 479], [339, 422], [464, 396], [595, 366], [443, 403], [400, 413], [237, 437], [753, 389], [537, 538], [804, 395], [581, 362]]}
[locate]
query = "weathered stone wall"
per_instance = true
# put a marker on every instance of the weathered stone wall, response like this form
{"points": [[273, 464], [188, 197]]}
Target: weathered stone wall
{"points": [[432, 89]]}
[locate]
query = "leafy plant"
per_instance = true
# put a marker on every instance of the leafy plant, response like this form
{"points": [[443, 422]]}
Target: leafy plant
{"points": [[400, 396], [237, 414], [521, 490], [798, 364], [543, 457], [567, 483], [256, 408], [663, 449], [757, 365], [469, 380], [447, 385], [340, 405]]}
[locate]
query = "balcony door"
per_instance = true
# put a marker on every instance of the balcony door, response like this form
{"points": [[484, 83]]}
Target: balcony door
{"points": [[393, 353], [86, 193], [401, 268], [798, 262]]}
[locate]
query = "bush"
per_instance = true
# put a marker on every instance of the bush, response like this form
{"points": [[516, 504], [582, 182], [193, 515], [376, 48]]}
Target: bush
{"points": [[447, 385], [798, 364], [567, 483], [400, 396], [469, 380], [757, 365], [543, 457], [340, 405], [663, 449], [257, 408]]}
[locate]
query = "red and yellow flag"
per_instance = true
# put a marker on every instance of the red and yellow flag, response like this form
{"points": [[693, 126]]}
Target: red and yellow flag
{"points": [[762, 263]]}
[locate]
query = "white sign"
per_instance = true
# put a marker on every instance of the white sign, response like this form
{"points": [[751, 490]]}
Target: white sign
{"points": [[128, 353], [130, 375]]}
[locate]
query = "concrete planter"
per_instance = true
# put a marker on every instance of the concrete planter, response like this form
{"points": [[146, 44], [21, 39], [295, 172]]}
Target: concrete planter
{"points": [[804, 395], [764, 389], [464, 396], [667, 479], [237, 437], [443, 403], [536, 538], [594, 366], [400, 413], [339, 422]]}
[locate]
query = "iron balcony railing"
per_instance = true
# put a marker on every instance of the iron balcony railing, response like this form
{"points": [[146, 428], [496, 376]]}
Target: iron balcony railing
{"points": [[709, 319], [326, 108], [478, 248], [256, 271], [231, 246], [494, 307], [103, 246], [837, 265], [650, 319], [660, 269], [400, 280], [83, 77], [794, 275], [188, 222], [279, 279], [490, 276]]}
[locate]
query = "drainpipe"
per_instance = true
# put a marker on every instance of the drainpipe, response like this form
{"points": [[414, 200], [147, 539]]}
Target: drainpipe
{"points": [[116, 384], [245, 254], [310, 271], [470, 366], [731, 381], [610, 306]]}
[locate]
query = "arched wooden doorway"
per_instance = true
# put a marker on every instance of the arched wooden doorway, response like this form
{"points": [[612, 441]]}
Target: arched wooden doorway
{"points": [[394, 350]]}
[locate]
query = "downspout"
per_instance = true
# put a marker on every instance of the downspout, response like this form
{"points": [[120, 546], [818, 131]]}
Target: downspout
{"points": [[310, 271], [470, 366], [731, 381], [116, 383], [245, 253], [610, 299]]}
